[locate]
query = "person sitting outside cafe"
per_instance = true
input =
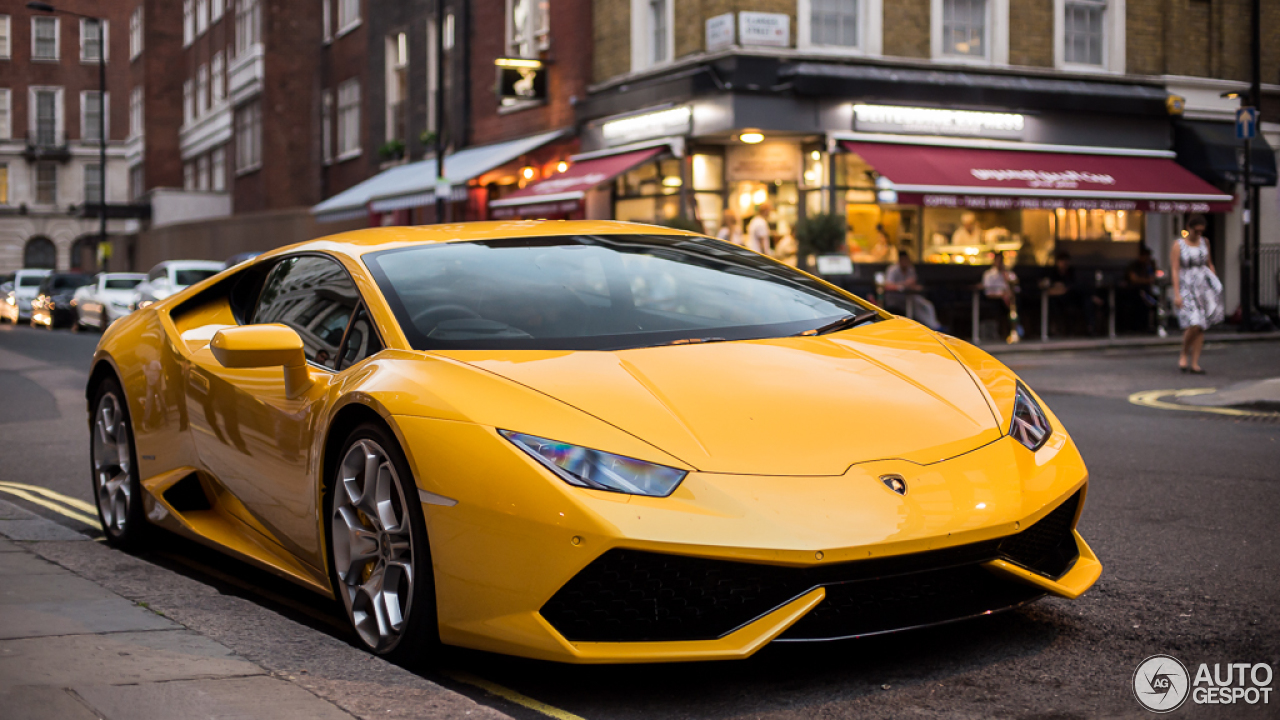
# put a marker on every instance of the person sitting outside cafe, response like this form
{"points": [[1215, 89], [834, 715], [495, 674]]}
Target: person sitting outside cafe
{"points": [[1000, 286], [903, 293], [1139, 297], [1068, 303]]}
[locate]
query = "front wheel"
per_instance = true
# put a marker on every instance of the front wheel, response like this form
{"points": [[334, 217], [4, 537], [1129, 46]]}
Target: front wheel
{"points": [[116, 487], [380, 561]]}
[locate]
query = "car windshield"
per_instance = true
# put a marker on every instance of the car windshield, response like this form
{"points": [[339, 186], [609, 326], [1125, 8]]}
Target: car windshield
{"points": [[597, 293], [31, 280], [68, 282], [122, 283], [184, 278]]}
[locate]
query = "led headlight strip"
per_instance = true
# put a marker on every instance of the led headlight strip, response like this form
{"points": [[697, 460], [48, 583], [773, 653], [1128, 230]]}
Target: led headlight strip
{"points": [[589, 468], [1030, 426]]}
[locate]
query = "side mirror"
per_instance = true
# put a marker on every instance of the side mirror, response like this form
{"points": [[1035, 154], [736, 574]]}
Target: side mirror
{"points": [[259, 346]]}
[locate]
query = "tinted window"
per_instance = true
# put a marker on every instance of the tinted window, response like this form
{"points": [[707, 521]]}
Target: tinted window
{"points": [[597, 293], [68, 282], [121, 283], [191, 277], [314, 296], [362, 340], [31, 281]]}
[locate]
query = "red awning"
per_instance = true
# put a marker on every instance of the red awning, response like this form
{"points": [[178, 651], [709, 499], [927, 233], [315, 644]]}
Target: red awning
{"points": [[1019, 179], [563, 193]]}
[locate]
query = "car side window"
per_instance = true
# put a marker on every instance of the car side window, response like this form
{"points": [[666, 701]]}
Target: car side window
{"points": [[314, 296], [155, 274], [362, 340]]}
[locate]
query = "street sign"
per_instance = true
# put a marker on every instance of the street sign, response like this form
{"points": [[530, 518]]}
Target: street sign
{"points": [[1246, 123]]}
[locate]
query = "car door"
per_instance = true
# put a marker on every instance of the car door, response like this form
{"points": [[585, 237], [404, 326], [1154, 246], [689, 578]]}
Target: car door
{"points": [[254, 440]]}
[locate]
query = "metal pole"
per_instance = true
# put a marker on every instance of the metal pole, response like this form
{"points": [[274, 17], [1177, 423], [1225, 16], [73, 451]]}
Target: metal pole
{"points": [[439, 112], [102, 136], [1255, 99]]}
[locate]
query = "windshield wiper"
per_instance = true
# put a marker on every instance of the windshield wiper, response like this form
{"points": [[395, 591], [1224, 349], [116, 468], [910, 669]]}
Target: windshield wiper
{"points": [[689, 341], [843, 323]]}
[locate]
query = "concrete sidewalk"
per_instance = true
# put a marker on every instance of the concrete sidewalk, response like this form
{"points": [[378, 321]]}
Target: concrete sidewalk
{"points": [[1174, 339], [87, 632]]}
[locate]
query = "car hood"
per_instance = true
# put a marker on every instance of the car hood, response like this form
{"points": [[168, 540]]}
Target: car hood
{"points": [[784, 406]]}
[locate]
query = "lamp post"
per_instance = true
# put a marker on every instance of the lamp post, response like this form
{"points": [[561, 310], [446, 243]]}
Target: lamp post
{"points": [[102, 111]]}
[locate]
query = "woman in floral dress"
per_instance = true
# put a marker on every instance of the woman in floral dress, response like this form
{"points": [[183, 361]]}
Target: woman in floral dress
{"points": [[1197, 292]]}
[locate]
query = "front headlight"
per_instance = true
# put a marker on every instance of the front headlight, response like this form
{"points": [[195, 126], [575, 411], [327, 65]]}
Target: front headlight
{"points": [[1030, 426], [589, 468]]}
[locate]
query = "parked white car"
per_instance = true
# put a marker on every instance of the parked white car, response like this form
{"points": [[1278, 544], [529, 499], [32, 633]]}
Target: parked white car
{"points": [[171, 276], [106, 300], [16, 305]]}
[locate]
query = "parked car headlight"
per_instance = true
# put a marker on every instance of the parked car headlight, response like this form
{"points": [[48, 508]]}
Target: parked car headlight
{"points": [[1030, 426], [589, 468]]}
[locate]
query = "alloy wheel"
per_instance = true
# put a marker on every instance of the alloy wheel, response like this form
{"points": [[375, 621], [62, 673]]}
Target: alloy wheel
{"points": [[112, 464], [373, 545]]}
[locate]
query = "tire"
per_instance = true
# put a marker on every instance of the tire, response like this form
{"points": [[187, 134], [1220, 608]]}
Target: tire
{"points": [[379, 554], [113, 460]]}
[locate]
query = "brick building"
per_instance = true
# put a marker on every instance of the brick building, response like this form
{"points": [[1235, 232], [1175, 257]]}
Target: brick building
{"points": [[49, 134]]}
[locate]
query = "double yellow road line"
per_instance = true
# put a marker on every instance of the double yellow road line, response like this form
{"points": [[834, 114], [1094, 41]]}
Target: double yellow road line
{"points": [[1153, 398], [68, 507]]}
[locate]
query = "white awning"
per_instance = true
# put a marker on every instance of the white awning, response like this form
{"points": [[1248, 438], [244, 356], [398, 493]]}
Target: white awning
{"points": [[413, 185]]}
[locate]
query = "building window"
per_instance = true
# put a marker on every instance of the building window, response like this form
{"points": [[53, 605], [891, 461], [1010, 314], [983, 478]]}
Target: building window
{"points": [[189, 176], [433, 75], [91, 116], [188, 22], [326, 126], [4, 184], [188, 102], [46, 183], [529, 27], [202, 16], [652, 33], [217, 71], [137, 187], [1090, 34], [135, 33], [397, 64], [249, 137], [4, 37], [202, 90], [348, 15], [202, 173], [45, 109], [93, 184], [834, 22], [349, 119], [248, 24], [1082, 24], [449, 26], [91, 42], [135, 112], [40, 252], [964, 27], [44, 38], [6, 110], [219, 169], [326, 18]]}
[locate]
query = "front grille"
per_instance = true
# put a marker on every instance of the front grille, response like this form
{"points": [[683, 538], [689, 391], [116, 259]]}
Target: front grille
{"points": [[635, 596]]}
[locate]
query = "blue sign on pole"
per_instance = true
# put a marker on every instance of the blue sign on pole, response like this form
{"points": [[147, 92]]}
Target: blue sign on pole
{"points": [[1246, 123]]}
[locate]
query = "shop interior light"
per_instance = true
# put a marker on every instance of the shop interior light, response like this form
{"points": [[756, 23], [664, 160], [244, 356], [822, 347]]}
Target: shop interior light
{"points": [[527, 173], [815, 155], [672, 181], [518, 63], [751, 138], [562, 166]]}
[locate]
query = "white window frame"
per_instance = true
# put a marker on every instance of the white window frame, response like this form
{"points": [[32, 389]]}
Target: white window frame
{"points": [[59, 112], [188, 22], [326, 19], [136, 113], [202, 90], [6, 37], [349, 112], [997, 34], [135, 33], [248, 157], [202, 17], [870, 30], [35, 182], [202, 173], [642, 35], [537, 30], [1113, 40], [218, 169], [57, 38], [248, 25], [188, 101], [326, 127], [6, 114], [217, 79], [84, 37], [87, 174], [216, 11], [189, 176], [348, 16], [450, 29], [85, 125]]}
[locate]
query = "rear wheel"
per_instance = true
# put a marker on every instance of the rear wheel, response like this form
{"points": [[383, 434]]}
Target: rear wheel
{"points": [[115, 468], [380, 561]]}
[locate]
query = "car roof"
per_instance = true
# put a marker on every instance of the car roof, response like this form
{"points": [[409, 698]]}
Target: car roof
{"points": [[360, 242], [189, 264], [32, 271], [129, 276]]}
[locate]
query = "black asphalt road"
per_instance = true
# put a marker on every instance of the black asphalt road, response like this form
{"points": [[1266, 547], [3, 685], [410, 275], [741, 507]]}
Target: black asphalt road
{"points": [[1184, 511]]}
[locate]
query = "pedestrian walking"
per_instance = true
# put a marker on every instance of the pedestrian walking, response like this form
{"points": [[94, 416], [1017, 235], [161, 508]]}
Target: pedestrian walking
{"points": [[1197, 292], [731, 228]]}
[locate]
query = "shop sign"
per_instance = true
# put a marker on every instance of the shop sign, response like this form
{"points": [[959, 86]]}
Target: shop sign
{"points": [[770, 29], [521, 80], [663, 123], [1061, 180], [719, 32], [937, 121], [767, 162], [981, 202]]}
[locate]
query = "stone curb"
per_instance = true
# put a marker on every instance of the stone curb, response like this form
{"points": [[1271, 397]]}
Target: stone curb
{"points": [[1172, 340]]}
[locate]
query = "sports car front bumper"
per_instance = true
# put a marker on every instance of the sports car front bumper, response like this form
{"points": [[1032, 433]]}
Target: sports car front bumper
{"points": [[527, 565]]}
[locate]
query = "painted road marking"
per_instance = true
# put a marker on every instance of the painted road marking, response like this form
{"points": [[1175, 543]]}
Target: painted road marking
{"points": [[22, 491], [512, 696], [1151, 398], [75, 503]]}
